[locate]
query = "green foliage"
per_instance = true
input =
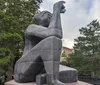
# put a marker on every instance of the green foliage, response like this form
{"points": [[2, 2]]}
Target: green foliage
{"points": [[3, 76], [66, 60], [88, 43], [4, 62], [4, 52], [15, 16], [64, 54], [87, 50], [10, 40], [4, 58]]}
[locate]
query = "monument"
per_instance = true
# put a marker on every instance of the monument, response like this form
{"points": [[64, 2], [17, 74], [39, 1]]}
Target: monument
{"points": [[41, 56], [42, 48]]}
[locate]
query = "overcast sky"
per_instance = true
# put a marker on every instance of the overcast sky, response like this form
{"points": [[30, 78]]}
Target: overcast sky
{"points": [[78, 14]]}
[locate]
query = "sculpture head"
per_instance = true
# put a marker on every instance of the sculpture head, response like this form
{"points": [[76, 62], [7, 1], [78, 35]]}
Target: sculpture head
{"points": [[43, 18]]}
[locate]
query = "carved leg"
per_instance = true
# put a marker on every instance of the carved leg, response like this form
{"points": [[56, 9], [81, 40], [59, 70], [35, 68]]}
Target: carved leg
{"points": [[51, 57], [49, 50], [28, 66]]}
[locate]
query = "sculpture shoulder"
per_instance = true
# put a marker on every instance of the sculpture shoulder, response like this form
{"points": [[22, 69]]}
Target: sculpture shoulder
{"points": [[31, 27], [34, 27]]}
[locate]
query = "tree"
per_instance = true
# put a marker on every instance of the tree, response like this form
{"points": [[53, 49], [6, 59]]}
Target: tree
{"points": [[15, 16], [87, 49], [65, 59]]}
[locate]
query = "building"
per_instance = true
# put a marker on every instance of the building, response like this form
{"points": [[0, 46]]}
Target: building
{"points": [[67, 50], [65, 53]]}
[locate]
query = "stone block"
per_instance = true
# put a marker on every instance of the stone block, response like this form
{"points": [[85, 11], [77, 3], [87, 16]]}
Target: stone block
{"points": [[66, 75]]}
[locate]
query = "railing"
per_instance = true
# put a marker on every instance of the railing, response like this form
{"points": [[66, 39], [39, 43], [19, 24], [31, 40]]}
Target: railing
{"points": [[89, 79]]}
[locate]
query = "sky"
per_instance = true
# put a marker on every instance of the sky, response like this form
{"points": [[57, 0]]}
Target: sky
{"points": [[79, 13]]}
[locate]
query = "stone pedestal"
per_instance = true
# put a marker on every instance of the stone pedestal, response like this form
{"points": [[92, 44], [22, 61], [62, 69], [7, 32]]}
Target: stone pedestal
{"points": [[12, 82], [66, 75]]}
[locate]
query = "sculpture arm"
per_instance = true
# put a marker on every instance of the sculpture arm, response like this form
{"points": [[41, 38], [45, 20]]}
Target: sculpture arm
{"points": [[42, 32], [56, 19]]}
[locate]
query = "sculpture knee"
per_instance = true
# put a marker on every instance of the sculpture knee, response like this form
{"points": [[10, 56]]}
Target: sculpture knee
{"points": [[51, 42], [51, 49]]}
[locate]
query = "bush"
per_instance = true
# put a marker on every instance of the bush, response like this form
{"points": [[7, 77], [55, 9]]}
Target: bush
{"points": [[3, 76]]}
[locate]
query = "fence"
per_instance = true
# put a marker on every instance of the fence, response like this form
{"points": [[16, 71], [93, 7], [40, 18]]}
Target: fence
{"points": [[89, 79]]}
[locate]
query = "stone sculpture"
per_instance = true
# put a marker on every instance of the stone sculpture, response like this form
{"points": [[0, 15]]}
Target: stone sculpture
{"points": [[42, 48]]}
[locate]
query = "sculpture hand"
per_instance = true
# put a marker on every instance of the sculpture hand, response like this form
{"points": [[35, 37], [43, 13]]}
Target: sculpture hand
{"points": [[60, 6]]}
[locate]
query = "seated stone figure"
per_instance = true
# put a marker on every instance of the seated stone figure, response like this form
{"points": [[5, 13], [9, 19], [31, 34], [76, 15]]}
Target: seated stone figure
{"points": [[42, 48]]}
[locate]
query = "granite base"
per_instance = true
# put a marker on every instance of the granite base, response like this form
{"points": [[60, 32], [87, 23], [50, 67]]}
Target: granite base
{"points": [[12, 82]]}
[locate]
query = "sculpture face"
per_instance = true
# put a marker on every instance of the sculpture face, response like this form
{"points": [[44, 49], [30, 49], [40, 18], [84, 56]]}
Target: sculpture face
{"points": [[43, 18]]}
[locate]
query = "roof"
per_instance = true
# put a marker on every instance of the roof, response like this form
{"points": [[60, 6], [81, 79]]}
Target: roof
{"points": [[67, 48]]}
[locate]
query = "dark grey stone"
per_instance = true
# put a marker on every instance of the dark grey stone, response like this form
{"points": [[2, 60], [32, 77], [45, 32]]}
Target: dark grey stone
{"points": [[66, 75], [42, 48]]}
